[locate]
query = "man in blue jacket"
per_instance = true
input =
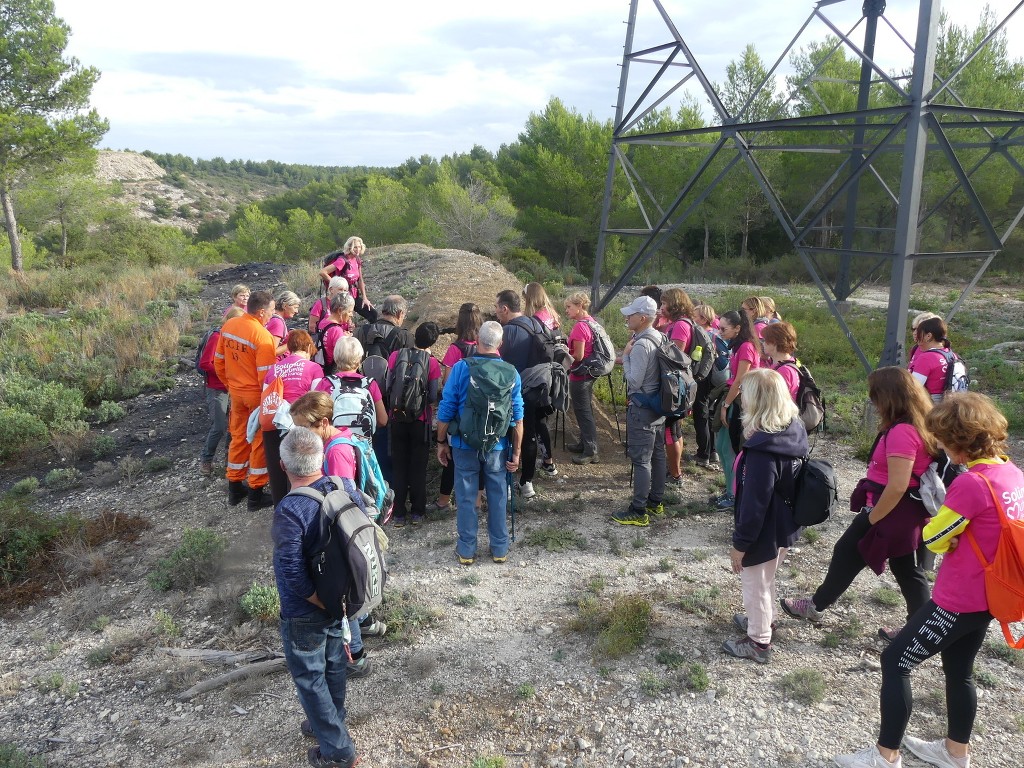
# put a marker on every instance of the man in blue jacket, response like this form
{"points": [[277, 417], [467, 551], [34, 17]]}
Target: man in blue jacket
{"points": [[314, 642], [502, 457]]}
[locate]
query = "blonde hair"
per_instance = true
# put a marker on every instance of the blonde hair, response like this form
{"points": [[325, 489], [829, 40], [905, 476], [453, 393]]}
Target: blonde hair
{"points": [[969, 422], [767, 404], [536, 299], [351, 243], [920, 317], [312, 408], [580, 299], [756, 305], [769, 307], [348, 353], [232, 313], [705, 311]]}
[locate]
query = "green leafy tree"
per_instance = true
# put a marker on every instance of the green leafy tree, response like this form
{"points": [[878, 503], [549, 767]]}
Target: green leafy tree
{"points": [[386, 212], [306, 235], [471, 216], [43, 99], [257, 237]]}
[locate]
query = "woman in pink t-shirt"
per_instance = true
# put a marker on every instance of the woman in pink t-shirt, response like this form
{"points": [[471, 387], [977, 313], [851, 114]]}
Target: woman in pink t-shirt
{"points": [[779, 341], [239, 298], [891, 513], [333, 327], [677, 309], [467, 326], [929, 364], [321, 308], [954, 622], [537, 304], [738, 330], [349, 265], [581, 386], [286, 306]]}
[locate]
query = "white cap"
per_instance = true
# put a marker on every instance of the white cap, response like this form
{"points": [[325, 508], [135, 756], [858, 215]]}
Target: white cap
{"points": [[641, 305]]}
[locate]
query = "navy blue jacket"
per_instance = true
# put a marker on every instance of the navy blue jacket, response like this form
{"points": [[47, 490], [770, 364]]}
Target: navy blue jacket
{"points": [[517, 342], [764, 481]]}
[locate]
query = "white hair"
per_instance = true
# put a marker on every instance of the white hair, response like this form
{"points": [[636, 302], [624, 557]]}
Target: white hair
{"points": [[767, 404], [302, 452], [490, 334], [348, 353], [338, 283]]}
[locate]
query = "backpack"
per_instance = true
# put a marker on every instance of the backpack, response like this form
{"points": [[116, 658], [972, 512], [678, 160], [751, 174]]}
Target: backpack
{"points": [[369, 478], [542, 343], [601, 359], [467, 349], [701, 350], [487, 412], [379, 340], [957, 379], [815, 493], [271, 402], [1004, 576], [320, 358], [348, 567], [545, 387], [408, 385], [677, 390], [199, 353], [720, 368], [808, 398], [353, 405], [332, 257]]}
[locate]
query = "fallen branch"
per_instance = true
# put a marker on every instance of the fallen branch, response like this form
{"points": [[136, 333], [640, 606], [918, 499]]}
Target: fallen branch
{"points": [[242, 673], [219, 657]]}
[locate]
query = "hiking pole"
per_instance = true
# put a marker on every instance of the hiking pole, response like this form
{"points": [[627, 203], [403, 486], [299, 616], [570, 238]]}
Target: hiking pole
{"points": [[509, 477], [615, 409]]}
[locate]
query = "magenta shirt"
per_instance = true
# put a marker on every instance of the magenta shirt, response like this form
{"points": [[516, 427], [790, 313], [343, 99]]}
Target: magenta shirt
{"points": [[454, 354], [904, 442], [960, 583], [331, 338], [297, 374], [355, 271], [930, 365], [746, 351], [581, 331], [278, 329], [679, 330], [790, 374], [547, 318], [433, 374], [318, 310], [341, 459]]}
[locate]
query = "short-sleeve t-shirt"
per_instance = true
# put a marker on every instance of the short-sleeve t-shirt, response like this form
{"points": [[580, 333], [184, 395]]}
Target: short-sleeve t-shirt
{"points": [[297, 374], [745, 351], [790, 375], [547, 318], [346, 326], [960, 583], [326, 386], [277, 328], [901, 441], [454, 354], [929, 368], [319, 310], [581, 331], [340, 458], [331, 337], [680, 330], [433, 374], [351, 269]]}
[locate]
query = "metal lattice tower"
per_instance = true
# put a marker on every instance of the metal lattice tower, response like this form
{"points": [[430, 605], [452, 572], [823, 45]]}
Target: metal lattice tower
{"points": [[900, 122]]}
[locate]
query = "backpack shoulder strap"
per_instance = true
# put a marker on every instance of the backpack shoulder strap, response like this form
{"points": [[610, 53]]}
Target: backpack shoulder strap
{"points": [[1000, 513]]}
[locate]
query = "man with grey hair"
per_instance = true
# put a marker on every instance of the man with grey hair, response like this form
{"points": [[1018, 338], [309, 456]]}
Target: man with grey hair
{"points": [[484, 375], [645, 429], [314, 644]]}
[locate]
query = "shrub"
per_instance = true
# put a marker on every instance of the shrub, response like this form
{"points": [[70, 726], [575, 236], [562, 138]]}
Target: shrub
{"points": [[555, 538], [526, 691], [262, 602], [406, 616], [12, 757], [18, 431], [62, 479], [621, 626], [165, 626], [108, 411], [804, 685], [103, 446], [25, 486], [194, 562], [158, 464], [53, 403], [696, 677], [130, 468], [887, 596]]}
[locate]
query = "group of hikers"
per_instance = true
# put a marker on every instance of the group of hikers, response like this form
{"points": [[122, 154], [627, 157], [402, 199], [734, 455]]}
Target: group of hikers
{"points": [[356, 406]]}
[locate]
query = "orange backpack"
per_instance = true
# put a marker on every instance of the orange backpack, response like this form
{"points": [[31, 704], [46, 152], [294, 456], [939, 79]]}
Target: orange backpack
{"points": [[1004, 576], [273, 397]]}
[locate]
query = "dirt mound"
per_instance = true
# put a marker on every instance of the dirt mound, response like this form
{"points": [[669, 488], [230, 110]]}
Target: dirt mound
{"points": [[126, 166]]}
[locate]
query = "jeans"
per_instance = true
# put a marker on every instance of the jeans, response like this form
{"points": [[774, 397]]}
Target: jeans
{"points": [[469, 464], [581, 393], [217, 405], [410, 449], [315, 654], [645, 437]]}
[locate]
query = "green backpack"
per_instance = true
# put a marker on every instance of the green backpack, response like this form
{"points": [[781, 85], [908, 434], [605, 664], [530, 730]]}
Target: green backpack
{"points": [[487, 413]]}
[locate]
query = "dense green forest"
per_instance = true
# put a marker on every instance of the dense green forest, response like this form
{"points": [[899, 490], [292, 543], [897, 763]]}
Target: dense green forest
{"points": [[536, 201]]}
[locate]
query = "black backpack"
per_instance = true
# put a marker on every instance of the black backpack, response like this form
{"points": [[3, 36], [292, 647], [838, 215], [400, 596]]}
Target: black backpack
{"points": [[816, 492], [677, 389], [701, 350], [808, 398], [379, 340], [199, 352], [542, 343], [466, 348], [321, 354], [545, 387], [408, 385]]}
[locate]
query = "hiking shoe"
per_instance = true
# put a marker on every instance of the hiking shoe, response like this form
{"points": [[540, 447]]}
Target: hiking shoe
{"points": [[888, 634], [741, 622], [745, 648], [674, 482], [236, 492], [548, 470], [399, 521], [526, 490], [592, 459], [801, 608], [656, 510], [869, 757], [500, 558], [257, 499], [307, 729], [416, 519], [319, 761], [935, 753], [206, 468], [360, 667], [465, 560], [575, 448], [441, 507], [631, 517], [373, 629], [725, 501]]}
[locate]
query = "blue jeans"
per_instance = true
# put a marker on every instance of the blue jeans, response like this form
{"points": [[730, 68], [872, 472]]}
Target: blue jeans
{"points": [[217, 404], [315, 654], [645, 439], [468, 466]]}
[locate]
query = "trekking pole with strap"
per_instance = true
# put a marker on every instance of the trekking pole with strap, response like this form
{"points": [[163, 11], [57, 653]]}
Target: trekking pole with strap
{"points": [[509, 479], [615, 409]]}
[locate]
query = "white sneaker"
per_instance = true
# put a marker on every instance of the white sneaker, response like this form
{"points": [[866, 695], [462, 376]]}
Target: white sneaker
{"points": [[935, 753], [526, 490], [869, 757]]}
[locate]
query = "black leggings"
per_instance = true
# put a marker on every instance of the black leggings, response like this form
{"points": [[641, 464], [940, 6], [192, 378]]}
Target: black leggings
{"points": [[847, 562], [931, 630]]}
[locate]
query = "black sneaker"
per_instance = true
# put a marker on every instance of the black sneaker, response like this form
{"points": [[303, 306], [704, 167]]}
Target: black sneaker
{"points": [[360, 667], [592, 459], [236, 492], [258, 499], [576, 448], [632, 517], [319, 761], [307, 729]]}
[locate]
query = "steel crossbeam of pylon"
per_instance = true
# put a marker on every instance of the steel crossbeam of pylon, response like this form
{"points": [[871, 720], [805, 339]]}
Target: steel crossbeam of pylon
{"points": [[913, 124]]}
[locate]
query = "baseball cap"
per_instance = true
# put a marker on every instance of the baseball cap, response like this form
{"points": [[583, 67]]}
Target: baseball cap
{"points": [[641, 305]]}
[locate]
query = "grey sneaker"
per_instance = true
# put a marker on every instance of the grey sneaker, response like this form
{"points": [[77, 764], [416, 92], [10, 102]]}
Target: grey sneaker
{"points": [[548, 470], [373, 629], [742, 622], [674, 482], [317, 760], [935, 753], [591, 459], [745, 648], [801, 608], [631, 517], [360, 667], [869, 757], [526, 490], [725, 501]]}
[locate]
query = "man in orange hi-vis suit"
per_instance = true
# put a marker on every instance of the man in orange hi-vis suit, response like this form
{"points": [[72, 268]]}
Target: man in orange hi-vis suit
{"points": [[245, 352]]}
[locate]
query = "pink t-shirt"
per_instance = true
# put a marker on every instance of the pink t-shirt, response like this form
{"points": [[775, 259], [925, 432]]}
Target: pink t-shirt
{"points": [[319, 309], [929, 368], [298, 375], [433, 374], [277, 328], [791, 376], [331, 337], [326, 386], [745, 351], [960, 583], [581, 331], [680, 330], [759, 326], [340, 458], [454, 354], [354, 269], [904, 442], [346, 326], [547, 318]]}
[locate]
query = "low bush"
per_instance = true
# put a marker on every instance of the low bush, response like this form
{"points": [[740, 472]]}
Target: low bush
{"points": [[620, 625], [103, 446], [62, 479], [20, 431], [158, 464], [262, 602], [108, 411], [193, 562], [12, 757], [555, 538], [25, 486], [25, 534], [406, 616], [804, 685]]}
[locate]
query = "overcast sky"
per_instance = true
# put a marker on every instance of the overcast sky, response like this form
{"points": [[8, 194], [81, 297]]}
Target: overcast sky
{"points": [[336, 82]]}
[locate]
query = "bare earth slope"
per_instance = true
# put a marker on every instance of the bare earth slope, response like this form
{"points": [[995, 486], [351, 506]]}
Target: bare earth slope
{"points": [[495, 670]]}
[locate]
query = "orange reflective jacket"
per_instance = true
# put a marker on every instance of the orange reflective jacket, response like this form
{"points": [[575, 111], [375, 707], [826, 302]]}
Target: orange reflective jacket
{"points": [[245, 352]]}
